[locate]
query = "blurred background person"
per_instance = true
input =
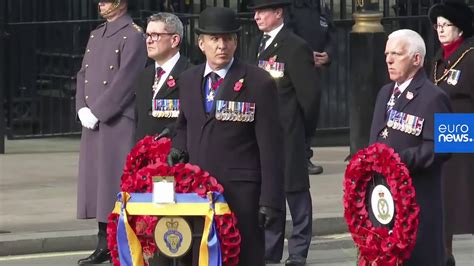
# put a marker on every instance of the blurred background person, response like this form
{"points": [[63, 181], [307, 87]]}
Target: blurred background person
{"points": [[312, 21], [453, 69]]}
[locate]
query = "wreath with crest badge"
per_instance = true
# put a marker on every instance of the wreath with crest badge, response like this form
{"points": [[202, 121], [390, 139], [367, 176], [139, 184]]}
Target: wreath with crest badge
{"points": [[380, 246], [148, 159]]}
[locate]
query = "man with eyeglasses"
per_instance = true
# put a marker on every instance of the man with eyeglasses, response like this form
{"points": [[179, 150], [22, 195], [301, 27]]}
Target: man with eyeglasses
{"points": [[157, 91], [115, 55]]}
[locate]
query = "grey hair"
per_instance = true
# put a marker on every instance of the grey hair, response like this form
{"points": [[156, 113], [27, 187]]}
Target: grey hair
{"points": [[416, 44], [172, 23]]}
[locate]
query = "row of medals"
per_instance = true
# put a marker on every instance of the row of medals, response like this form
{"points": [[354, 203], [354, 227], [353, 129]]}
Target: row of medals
{"points": [[235, 111], [275, 69], [165, 108], [413, 127]]}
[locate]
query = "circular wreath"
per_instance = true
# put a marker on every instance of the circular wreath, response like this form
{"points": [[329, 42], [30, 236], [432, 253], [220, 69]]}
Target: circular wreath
{"points": [[380, 245], [148, 159]]}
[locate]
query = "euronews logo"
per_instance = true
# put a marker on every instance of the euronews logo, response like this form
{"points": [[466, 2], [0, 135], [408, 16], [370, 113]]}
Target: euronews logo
{"points": [[454, 133]]}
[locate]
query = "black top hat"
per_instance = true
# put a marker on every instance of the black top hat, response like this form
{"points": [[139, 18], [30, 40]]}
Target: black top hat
{"points": [[218, 20], [259, 4], [455, 11]]}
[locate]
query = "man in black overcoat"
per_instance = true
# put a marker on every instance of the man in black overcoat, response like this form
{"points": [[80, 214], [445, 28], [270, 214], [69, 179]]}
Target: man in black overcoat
{"points": [[229, 126], [289, 59], [157, 91], [312, 21], [416, 99]]}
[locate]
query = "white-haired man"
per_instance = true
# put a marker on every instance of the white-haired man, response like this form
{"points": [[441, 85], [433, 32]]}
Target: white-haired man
{"points": [[404, 119]]}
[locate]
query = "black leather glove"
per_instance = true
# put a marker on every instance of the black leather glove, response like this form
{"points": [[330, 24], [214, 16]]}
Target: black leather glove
{"points": [[165, 133], [267, 215], [177, 156]]}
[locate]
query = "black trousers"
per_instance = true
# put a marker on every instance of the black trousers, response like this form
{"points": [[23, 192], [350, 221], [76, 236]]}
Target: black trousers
{"points": [[308, 151], [301, 211]]}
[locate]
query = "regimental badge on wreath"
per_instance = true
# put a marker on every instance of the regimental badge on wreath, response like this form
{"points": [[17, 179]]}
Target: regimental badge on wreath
{"points": [[382, 204], [165, 108], [453, 77], [173, 236], [235, 111], [276, 69]]}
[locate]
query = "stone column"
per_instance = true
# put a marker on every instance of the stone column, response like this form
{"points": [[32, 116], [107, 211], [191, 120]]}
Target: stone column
{"points": [[3, 71], [368, 70]]}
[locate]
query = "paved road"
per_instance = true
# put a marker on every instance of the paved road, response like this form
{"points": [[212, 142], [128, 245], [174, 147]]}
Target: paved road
{"points": [[335, 250]]}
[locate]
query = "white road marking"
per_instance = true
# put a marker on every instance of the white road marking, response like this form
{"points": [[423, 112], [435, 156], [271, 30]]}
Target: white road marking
{"points": [[44, 255]]}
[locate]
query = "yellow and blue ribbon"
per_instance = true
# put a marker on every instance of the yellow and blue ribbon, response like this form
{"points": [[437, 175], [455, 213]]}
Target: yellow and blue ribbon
{"points": [[187, 204], [210, 249], [129, 247]]}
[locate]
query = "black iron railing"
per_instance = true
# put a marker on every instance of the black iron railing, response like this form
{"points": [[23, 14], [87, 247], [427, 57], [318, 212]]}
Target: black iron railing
{"points": [[41, 58]]}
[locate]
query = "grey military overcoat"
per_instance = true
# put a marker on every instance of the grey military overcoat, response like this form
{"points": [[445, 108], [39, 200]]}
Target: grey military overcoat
{"points": [[115, 55]]}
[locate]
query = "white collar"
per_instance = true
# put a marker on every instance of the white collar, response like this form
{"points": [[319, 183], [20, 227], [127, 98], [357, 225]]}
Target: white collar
{"points": [[273, 33], [221, 72], [169, 65], [404, 85]]}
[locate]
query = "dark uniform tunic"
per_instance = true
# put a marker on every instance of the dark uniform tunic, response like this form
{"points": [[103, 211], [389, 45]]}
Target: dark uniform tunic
{"points": [[147, 124], [421, 99], [115, 55], [298, 96], [245, 156], [458, 172]]}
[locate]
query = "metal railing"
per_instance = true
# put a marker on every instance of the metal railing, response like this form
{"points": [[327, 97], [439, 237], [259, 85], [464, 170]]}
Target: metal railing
{"points": [[42, 59]]}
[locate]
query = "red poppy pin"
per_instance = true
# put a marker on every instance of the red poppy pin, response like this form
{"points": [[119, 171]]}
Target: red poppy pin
{"points": [[238, 85], [272, 60], [171, 82]]}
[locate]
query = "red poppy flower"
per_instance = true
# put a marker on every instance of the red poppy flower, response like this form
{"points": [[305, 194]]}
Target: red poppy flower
{"points": [[148, 159], [238, 85], [379, 246], [171, 82]]}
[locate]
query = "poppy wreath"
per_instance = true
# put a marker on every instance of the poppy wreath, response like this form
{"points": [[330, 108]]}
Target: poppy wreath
{"points": [[379, 245], [148, 159]]}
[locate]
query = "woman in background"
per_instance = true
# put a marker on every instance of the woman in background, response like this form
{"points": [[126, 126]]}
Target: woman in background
{"points": [[453, 71]]}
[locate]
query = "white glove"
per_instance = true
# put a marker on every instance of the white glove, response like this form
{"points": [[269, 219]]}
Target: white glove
{"points": [[88, 119]]}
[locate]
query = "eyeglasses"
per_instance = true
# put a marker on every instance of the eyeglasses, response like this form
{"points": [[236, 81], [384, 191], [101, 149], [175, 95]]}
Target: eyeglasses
{"points": [[441, 26], [155, 35]]}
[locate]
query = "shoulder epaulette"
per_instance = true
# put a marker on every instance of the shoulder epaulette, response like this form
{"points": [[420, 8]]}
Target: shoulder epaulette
{"points": [[136, 27], [101, 25]]}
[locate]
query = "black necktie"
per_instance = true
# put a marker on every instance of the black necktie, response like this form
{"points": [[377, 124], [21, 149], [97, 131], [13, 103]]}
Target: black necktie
{"points": [[159, 72], [214, 78], [261, 47]]}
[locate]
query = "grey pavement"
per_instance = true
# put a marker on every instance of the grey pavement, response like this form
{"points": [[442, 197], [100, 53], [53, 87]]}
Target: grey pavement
{"points": [[334, 250], [38, 197]]}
